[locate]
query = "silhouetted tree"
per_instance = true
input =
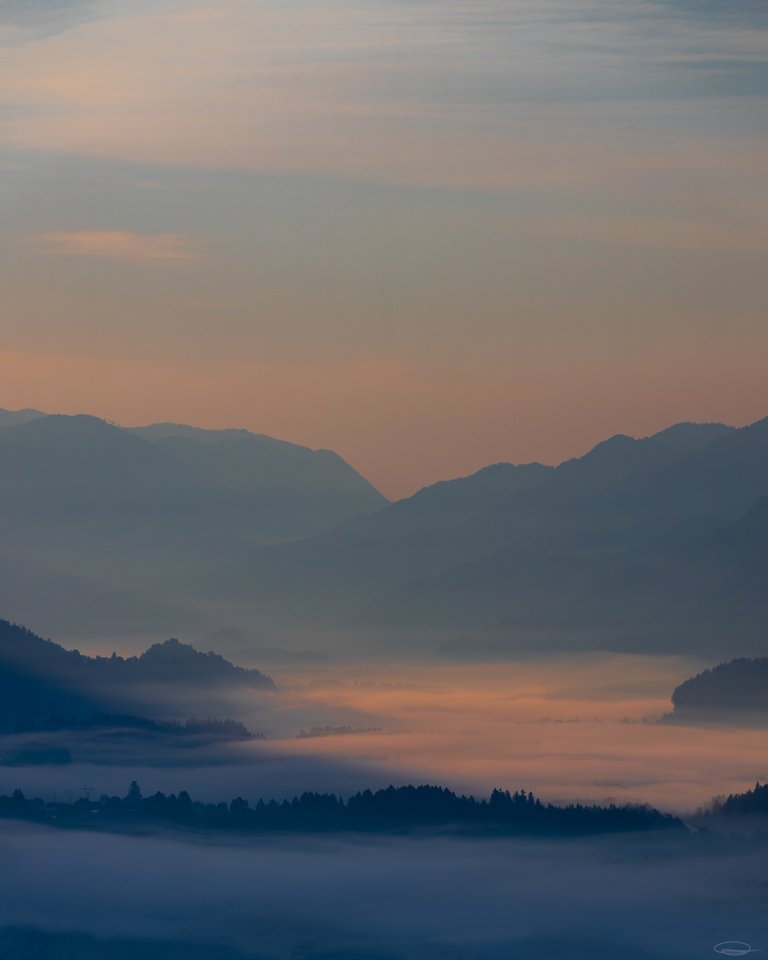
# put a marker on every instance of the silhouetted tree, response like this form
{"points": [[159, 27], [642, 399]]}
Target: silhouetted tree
{"points": [[133, 797]]}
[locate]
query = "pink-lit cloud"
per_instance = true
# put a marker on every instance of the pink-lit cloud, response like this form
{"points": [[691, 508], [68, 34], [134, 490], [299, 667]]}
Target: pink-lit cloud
{"points": [[149, 248]]}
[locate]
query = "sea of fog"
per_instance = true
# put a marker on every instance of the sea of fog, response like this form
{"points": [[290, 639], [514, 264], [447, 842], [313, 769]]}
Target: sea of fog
{"points": [[390, 898], [583, 728]]}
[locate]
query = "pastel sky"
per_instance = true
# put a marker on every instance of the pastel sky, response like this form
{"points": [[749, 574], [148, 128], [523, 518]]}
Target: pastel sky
{"points": [[429, 234]]}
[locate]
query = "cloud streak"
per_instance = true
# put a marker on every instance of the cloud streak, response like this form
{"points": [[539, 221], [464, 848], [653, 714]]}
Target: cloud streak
{"points": [[157, 249]]}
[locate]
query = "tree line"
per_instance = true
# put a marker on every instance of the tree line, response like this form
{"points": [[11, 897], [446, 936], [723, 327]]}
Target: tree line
{"points": [[749, 803], [404, 809], [194, 726]]}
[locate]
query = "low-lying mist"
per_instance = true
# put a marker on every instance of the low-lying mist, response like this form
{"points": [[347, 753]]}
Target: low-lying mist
{"points": [[579, 728], [461, 899]]}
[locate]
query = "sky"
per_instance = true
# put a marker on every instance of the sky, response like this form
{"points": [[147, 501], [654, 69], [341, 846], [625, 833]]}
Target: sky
{"points": [[428, 234]]}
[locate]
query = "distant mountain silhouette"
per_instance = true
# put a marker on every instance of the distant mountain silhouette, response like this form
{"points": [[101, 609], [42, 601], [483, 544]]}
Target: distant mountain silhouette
{"points": [[609, 542], [9, 418], [39, 678], [298, 490], [737, 691], [723, 477], [106, 511], [176, 662], [694, 587], [702, 578], [656, 542], [339, 570]]}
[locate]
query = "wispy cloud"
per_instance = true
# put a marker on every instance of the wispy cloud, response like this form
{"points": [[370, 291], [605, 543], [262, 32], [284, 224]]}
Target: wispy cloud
{"points": [[491, 95], [28, 21], [154, 248]]}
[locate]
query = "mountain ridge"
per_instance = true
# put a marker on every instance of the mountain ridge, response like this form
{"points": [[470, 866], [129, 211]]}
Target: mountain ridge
{"points": [[85, 500], [660, 535], [40, 678], [600, 541]]}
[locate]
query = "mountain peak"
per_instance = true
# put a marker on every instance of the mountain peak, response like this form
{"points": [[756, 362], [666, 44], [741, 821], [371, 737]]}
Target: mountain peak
{"points": [[58, 429], [177, 659], [9, 418], [688, 436]]}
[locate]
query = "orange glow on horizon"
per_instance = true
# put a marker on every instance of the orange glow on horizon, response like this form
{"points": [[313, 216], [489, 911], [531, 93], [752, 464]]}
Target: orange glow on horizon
{"points": [[396, 430]]}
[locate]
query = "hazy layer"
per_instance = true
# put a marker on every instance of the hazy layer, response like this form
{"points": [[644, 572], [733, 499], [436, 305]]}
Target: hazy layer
{"points": [[394, 898], [574, 728], [577, 728]]}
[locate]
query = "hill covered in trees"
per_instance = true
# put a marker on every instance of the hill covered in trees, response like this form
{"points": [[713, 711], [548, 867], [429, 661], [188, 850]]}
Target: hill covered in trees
{"points": [[736, 690], [40, 679], [748, 804]]}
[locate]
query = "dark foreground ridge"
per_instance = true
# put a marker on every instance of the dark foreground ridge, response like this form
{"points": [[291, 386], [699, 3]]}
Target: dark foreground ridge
{"points": [[402, 809]]}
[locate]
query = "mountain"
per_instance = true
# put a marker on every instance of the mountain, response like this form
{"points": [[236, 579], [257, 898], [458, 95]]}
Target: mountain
{"points": [[614, 495], [737, 691], [175, 662], [108, 511], [82, 463], [88, 499], [168, 527], [724, 477], [702, 585], [334, 573], [448, 502], [58, 462], [39, 678], [297, 491], [9, 418], [510, 543]]}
